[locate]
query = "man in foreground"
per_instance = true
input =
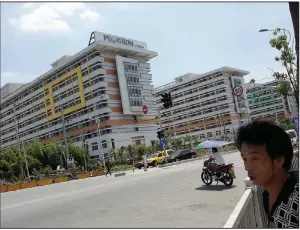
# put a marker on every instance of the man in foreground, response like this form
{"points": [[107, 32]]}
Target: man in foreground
{"points": [[267, 153]]}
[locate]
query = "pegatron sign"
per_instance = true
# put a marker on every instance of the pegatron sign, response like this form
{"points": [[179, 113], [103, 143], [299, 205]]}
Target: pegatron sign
{"points": [[115, 39], [98, 36]]}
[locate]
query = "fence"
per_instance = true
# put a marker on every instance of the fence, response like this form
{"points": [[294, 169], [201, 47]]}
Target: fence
{"points": [[249, 212]]}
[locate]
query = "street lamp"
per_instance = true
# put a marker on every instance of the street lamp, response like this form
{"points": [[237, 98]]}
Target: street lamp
{"points": [[285, 30], [100, 142]]}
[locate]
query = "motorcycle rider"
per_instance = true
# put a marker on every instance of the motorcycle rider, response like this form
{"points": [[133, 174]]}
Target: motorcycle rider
{"points": [[219, 160]]}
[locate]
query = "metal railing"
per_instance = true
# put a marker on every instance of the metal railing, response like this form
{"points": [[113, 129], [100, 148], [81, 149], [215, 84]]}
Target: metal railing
{"points": [[249, 212]]}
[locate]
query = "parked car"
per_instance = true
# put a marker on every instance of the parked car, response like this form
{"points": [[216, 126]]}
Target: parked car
{"points": [[152, 160], [182, 154], [293, 136]]}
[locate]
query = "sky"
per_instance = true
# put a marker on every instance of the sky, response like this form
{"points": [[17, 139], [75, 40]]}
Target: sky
{"points": [[189, 37]]}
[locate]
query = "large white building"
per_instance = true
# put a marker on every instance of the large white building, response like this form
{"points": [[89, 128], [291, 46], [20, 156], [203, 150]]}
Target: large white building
{"points": [[267, 104], [204, 104], [110, 79]]}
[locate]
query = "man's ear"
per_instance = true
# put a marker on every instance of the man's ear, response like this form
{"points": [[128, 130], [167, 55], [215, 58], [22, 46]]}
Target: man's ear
{"points": [[279, 161]]}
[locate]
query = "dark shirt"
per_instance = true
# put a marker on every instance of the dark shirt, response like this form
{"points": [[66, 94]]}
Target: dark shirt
{"points": [[285, 211]]}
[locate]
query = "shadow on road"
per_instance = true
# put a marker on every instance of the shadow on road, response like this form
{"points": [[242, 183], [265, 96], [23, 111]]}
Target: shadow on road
{"points": [[214, 187]]}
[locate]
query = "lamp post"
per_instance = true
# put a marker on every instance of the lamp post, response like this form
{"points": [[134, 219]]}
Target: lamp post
{"points": [[100, 142], [284, 30]]}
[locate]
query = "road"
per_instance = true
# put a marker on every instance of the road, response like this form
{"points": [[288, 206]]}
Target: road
{"points": [[171, 197]]}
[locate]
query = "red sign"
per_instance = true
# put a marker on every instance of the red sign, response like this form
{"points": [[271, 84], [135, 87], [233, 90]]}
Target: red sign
{"points": [[145, 109], [238, 90]]}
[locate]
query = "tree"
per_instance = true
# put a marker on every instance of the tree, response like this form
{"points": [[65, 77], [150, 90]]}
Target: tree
{"points": [[294, 11], [286, 123], [252, 81], [289, 80]]}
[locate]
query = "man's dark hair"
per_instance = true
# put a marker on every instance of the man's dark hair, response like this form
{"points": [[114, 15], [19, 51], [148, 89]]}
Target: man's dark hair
{"points": [[214, 150], [275, 138]]}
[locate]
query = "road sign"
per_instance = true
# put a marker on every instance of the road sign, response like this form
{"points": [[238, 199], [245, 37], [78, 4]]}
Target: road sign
{"points": [[162, 142], [145, 109], [296, 124], [238, 90]]}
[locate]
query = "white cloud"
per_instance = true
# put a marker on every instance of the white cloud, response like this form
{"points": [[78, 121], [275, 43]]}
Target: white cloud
{"points": [[15, 77], [120, 6], [51, 17], [28, 5], [90, 15]]}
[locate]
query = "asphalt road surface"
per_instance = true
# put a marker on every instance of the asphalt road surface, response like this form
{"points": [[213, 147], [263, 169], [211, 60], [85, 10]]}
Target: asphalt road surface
{"points": [[171, 197]]}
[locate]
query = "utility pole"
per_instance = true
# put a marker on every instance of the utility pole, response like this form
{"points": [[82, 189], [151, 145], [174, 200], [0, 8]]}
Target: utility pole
{"points": [[18, 139], [65, 133], [83, 147]]}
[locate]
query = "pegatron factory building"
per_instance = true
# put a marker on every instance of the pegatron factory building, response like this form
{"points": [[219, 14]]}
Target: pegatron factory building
{"points": [[103, 94]]}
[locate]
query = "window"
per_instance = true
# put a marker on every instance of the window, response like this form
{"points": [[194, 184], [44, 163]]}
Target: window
{"points": [[94, 146], [104, 144]]}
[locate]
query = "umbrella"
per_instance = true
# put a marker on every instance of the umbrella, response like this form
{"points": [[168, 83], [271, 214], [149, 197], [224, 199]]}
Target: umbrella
{"points": [[213, 144]]}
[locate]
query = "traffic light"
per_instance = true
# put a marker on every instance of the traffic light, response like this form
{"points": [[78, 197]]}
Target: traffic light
{"points": [[167, 100], [160, 135]]}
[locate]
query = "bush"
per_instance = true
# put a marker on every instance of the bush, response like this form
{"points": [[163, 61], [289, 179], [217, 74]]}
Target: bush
{"points": [[48, 171]]}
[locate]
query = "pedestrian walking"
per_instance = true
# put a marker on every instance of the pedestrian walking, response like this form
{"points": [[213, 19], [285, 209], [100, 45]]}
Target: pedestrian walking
{"points": [[108, 167], [267, 152], [133, 166], [145, 162]]}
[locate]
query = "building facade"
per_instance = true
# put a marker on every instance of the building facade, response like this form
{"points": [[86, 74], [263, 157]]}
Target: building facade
{"points": [[266, 104], [204, 105], [109, 80]]}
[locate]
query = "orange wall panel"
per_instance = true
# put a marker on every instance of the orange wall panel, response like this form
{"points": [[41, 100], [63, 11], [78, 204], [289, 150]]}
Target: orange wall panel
{"points": [[113, 84], [110, 60], [111, 72], [115, 97]]}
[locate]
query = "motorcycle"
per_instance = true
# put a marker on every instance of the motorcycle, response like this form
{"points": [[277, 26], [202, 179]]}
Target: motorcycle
{"points": [[224, 173]]}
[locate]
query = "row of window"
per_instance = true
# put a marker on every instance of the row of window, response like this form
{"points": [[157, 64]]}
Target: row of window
{"points": [[267, 110], [136, 102], [195, 82], [95, 145], [42, 105], [63, 95], [68, 104], [65, 83], [95, 80], [199, 89], [200, 104], [132, 79], [42, 116], [208, 127], [134, 91], [199, 120], [58, 121], [265, 104], [52, 78], [199, 112]]}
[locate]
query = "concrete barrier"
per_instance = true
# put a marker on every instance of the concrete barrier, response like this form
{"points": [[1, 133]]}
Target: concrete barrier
{"points": [[3, 188], [61, 179], [14, 187], [97, 173], [28, 185], [44, 182], [83, 175]]}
